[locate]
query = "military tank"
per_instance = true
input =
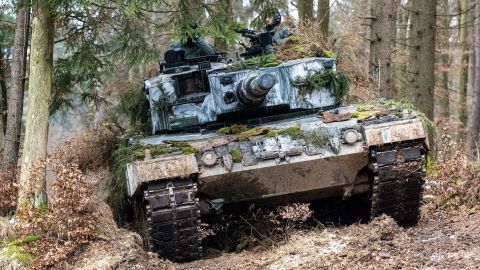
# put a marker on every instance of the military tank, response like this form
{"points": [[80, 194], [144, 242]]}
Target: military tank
{"points": [[223, 137]]}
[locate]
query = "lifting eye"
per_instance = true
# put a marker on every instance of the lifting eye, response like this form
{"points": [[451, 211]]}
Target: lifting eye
{"points": [[229, 97]]}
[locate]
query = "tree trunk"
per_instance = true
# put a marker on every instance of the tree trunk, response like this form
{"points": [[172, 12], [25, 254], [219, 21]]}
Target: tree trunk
{"points": [[443, 37], [323, 15], [15, 99], [381, 42], [421, 64], [32, 183], [399, 74], [305, 10], [463, 76], [473, 123], [3, 97]]}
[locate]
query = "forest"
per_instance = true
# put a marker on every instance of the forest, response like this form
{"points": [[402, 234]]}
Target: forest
{"points": [[347, 130]]}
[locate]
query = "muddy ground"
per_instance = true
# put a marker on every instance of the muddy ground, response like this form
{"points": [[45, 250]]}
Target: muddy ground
{"points": [[445, 238], [440, 241]]}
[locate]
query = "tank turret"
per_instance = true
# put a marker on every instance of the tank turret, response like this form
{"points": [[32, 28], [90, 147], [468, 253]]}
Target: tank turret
{"points": [[253, 90]]}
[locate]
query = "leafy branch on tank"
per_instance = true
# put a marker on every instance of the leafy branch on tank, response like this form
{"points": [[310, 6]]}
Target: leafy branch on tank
{"points": [[134, 105], [262, 61], [336, 81], [164, 103]]}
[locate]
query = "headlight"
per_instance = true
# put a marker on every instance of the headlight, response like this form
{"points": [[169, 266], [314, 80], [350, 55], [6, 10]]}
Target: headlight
{"points": [[351, 136]]}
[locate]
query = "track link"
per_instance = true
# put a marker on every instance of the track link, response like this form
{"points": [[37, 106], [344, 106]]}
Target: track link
{"points": [[173, 220], [398, 171]]}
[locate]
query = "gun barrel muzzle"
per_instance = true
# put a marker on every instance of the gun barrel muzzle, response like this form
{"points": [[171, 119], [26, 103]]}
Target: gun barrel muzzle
{"points": [[253, 90]]}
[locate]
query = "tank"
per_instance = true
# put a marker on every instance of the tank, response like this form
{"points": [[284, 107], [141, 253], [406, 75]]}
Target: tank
{"points": [[224, 137]]}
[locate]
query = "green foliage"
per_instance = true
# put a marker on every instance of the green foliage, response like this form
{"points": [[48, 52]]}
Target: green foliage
{"points": [[78, 75], [233, 129], [17, 253], [318, 137], [189, 150], [256, 131], [163, 104], [379, 108], [266, 9], [213, 24], [131, 47], [134, 105], [236, 156], [329, 54], [160, 150], [14, 250], [262, 61], [336, 81], [294, 132], [140, 154], [7, 30], [362, 115]]}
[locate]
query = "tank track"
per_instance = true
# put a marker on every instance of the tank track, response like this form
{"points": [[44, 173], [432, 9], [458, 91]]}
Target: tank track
{"points": [[398, 171], [172, 226]]}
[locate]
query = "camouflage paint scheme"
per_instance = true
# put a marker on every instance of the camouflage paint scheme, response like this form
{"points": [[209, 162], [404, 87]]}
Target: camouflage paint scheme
{"points": [[273, 169], [209, 106]]}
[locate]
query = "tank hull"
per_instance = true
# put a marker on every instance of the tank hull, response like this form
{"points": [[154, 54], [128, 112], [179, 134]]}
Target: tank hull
{"points": [[272, 171], [313, 177]]}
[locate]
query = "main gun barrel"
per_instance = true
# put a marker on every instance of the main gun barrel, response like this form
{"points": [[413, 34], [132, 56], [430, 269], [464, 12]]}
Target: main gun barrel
{"points": [[253, 90]]}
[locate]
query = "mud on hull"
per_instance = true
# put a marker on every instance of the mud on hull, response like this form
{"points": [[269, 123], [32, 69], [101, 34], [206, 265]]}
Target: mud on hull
{"points": [[301, 179]]}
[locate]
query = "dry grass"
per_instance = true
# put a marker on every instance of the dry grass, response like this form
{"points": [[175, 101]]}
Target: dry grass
{"points": [[90, 149], [309, 42], [454, 182]]}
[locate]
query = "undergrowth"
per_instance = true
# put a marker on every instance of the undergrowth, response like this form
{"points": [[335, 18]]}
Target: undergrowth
{"points": [[455, 182], [50, 234]]}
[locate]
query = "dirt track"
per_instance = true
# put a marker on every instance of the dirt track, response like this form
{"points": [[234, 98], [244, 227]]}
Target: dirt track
{"points": [[440, 241], [444, 239]]}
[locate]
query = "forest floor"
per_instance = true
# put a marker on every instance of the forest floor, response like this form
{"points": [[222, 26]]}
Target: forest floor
{"points": [[445, 238], [439, 241]]}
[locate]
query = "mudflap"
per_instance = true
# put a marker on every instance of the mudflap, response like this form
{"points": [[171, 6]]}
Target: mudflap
{"points": [[168, 218], [397, 181]]}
